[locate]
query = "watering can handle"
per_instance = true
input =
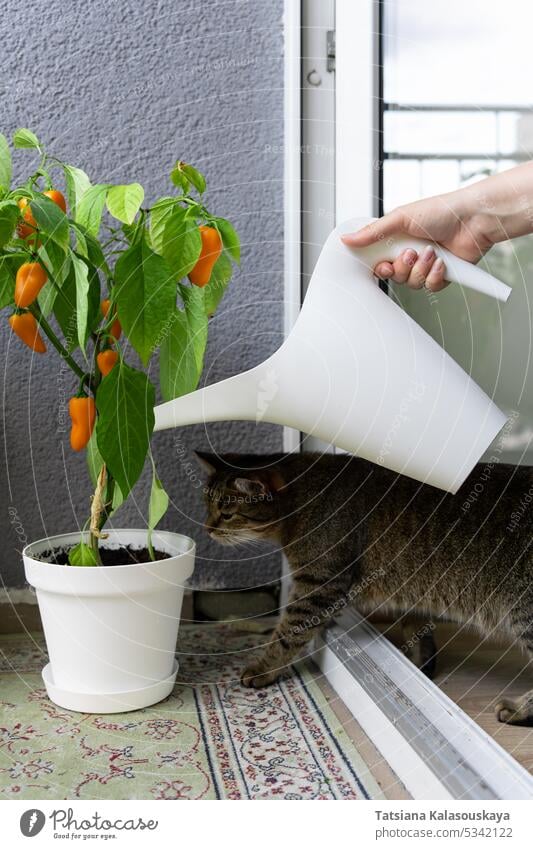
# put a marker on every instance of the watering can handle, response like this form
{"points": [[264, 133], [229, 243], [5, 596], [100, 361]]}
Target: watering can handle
{"points": [[457, 270]]}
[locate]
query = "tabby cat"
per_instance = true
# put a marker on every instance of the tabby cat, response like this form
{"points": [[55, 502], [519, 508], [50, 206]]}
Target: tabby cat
{"points": [[354, 532]]}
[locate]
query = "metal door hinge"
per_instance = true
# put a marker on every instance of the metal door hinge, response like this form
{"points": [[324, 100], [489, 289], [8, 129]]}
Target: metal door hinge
{"points": [[330, 49]]}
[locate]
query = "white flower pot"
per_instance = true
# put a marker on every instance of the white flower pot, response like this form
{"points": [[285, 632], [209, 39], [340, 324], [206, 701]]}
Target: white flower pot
{"points": [[111, 630]]}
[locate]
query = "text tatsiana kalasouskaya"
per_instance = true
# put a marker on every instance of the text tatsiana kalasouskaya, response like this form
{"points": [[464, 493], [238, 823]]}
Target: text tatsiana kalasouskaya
{"points": [[492, 816]]}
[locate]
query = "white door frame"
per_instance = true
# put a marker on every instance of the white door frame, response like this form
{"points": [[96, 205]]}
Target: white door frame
{"points": [[292, 181], [332, 136], [357, 108], [343, 114]]}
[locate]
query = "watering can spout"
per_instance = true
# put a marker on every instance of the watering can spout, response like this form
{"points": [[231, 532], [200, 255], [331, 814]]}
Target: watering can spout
{"points": [[233, 398], [357, 371]]}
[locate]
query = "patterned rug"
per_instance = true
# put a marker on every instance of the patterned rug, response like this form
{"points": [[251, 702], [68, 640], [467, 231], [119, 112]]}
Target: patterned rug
{"points": [[211, 739]]}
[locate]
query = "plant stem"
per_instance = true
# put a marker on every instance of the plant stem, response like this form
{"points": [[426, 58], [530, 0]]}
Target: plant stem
{"points": [[62, 351], [101, 507]]}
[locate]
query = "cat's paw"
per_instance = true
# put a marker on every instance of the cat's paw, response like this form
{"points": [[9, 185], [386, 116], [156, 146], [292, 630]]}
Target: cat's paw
{"points": [[515, 711], [257, 675]]}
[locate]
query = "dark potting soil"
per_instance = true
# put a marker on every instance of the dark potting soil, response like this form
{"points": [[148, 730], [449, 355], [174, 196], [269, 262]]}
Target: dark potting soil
{"points": [[110, 556]]}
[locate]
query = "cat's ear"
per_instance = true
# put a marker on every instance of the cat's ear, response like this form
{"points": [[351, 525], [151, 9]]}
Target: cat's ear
{"points": [[260, 485], [207, 461], [252, 487]]}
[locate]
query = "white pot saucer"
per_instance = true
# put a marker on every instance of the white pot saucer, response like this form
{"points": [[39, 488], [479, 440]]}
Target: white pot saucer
{"points": [[108, 702]]}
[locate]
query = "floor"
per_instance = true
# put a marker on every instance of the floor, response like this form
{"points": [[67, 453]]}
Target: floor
{"points": [[210, 739], [475, 674]]}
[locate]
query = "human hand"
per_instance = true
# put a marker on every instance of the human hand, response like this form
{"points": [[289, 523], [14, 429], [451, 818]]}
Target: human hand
{"points": [[445, 219]]}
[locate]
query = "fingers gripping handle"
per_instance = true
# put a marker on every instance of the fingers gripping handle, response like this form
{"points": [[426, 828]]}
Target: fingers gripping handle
{"points": [[457, 270]]}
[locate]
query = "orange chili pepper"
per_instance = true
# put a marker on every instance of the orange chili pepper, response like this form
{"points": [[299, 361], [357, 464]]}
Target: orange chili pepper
{"points": [[116, 327], [82, 411], [30, 279], [107, 360], [25, 327], [210, 252], [58, 198], [25, 230]]}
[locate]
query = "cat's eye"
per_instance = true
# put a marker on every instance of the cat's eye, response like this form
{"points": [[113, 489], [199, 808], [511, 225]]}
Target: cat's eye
{"points": [[226, 516]]}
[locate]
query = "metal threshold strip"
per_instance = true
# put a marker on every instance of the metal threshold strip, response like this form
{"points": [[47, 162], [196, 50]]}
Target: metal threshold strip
{"points": [[436, 750]]}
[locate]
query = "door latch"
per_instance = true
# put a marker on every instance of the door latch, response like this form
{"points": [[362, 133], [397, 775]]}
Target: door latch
{"points": [[330, 49]]}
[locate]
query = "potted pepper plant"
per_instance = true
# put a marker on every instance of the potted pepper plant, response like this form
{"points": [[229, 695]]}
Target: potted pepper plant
{"points": [[108, 282]]}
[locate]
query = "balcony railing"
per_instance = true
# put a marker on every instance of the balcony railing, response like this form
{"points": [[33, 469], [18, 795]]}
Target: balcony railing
{"points": [[494, 155]]}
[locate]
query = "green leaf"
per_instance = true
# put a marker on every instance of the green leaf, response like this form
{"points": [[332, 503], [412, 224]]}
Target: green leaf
{"points": [[158, 218], [194, 301], [220, 277], [181, 243], [118, 498], [89, 247], [230, 240], [66, 304], [180, 179], [57, 263], [178, 364], [130, 231], [124, 202], [81, 276], [157, 507], [6, 168], [94, 459], [125, 403], [9, 265], [145, 294], [51, 220], [65, 311], [9, 214], [82, 555], [55, 260], [194, 176], [46, 298], [77, 183], [90, 208], [25, 138]]}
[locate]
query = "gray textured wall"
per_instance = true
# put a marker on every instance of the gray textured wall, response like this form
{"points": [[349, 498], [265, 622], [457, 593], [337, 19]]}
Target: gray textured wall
{"points": [[122, 89]]}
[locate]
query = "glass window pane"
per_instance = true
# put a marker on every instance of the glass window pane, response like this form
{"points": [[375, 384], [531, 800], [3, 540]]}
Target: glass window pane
{"points": [[471, 69], [441, 132], [458, 51]]}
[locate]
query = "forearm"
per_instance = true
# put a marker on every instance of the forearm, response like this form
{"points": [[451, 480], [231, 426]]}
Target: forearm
{"points": [[499, 207]]}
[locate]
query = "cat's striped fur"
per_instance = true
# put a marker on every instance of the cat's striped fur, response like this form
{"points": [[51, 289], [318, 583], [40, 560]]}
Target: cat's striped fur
{"points": [[356, 533]]}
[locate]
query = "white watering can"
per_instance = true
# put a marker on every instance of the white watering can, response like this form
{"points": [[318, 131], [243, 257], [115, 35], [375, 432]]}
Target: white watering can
{"points": [[358, 372]]}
